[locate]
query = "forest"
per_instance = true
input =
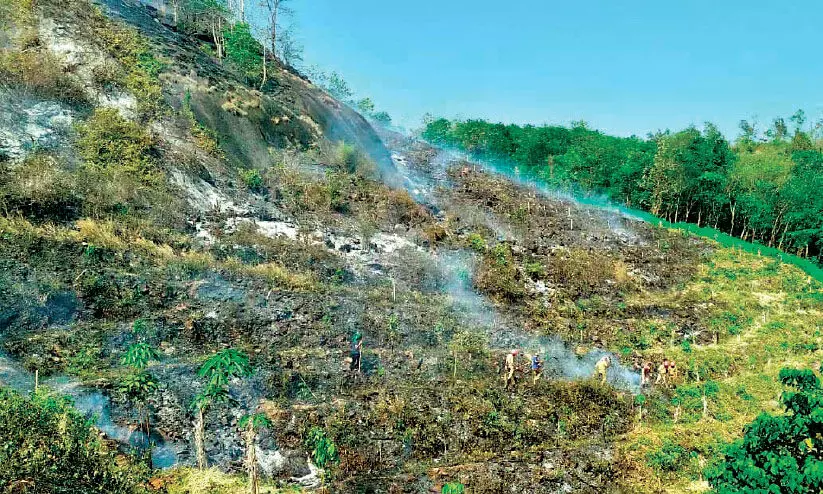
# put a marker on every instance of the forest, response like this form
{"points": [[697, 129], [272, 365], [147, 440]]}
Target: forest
{"points": [[764, 187]]}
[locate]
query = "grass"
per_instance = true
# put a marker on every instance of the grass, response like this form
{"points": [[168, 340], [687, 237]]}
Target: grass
{"points": [[212, 481], [767, 315]]}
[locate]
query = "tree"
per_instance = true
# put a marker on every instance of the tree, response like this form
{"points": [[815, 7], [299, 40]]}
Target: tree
{"points": [[138, 385], [381, 117], [211, 15], [779, 453], [218, 370], [251, 425], [274, 10], [338, 87], [243, 51], [365, 106], [288, 48]]}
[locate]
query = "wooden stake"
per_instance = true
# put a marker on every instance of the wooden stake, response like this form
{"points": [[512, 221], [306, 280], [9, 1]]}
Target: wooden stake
{"points": [[36, 379]]}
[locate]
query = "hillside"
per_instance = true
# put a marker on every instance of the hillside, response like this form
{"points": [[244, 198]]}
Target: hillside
{"points": [[188, 256]]}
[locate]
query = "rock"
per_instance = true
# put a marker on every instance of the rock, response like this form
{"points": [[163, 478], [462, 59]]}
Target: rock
{"points": [[271, 462]]}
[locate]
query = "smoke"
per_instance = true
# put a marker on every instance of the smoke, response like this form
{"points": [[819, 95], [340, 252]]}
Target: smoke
{"points": [[95, 405], [561, 362], [456, 268]]}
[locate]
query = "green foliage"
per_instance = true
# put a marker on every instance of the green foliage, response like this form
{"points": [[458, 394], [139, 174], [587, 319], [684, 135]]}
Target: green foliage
{"points": [[669, 458], [256, 420], [139, 355], [476, 242], [366, 106], [107, 141], [137, 386], [142, 68], [244, 52], [756, 191], [253, 180], [382, 117], [323, 449], [338, 87], [453, 488], [225, 365], [783, 450], [46, 444]]}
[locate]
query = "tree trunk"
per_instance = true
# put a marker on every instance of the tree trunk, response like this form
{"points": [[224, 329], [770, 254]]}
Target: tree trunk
{"points": [[251, 459], [265, 75], [199, 439], [274, 7], [705, 407], [147, 428]]}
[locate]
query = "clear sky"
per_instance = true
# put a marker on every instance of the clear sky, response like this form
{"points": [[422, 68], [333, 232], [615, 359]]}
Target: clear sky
{"points": [[627, 67]]}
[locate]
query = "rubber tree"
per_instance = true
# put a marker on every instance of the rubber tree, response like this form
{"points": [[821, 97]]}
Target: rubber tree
{"points": [[218, 370], [251, 425], [138, 385]]}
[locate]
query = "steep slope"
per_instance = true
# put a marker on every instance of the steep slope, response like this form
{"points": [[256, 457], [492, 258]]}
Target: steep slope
{"points": [[151, 197]]}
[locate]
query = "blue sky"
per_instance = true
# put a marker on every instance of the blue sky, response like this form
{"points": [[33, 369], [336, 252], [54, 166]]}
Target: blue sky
{"points": [[626, 67]]}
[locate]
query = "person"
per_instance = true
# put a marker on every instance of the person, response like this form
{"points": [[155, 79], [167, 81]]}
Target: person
{"points": [[662, 372], [356, 350], [509, 367], [601, 368], [672, 371], [537, 367], [646, 374]]}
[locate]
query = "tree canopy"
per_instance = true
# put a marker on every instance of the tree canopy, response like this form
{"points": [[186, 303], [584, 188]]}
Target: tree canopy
{"points": [[779, 453], [760, 188]]}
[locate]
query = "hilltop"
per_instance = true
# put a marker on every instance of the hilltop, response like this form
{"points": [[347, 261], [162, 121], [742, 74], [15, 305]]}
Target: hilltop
{"points": [[161, 206]]}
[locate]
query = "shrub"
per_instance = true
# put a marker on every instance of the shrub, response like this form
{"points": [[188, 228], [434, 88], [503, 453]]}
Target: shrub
{"points": [[41, 75], [669, 458], [47, 446], [142, 68], [107, 141], [244, 52], [40, 189], [781, 450], [252, 180], [324, 451], [476, 242]]}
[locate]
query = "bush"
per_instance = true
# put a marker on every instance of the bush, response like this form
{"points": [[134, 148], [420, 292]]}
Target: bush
{"points": [[244, 52], [41, 75], [40, 189], [110, 142], [252, 180], [47, 446], [669, 458], [782, 450]]}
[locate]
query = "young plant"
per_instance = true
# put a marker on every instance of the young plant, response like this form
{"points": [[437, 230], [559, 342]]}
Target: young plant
{"points": [[218, 370], [138, 385], [324, 451], [251, 424]]}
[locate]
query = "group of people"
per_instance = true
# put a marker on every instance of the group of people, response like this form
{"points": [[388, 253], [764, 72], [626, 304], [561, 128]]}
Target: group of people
{"points": [[666, 372], [601, 368], [535, 366]]}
